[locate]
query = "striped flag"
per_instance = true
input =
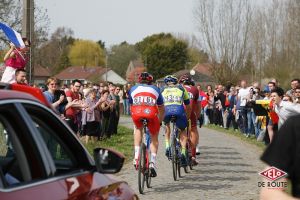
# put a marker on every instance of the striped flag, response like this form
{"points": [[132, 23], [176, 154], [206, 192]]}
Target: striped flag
{"points": [[12, 35]]}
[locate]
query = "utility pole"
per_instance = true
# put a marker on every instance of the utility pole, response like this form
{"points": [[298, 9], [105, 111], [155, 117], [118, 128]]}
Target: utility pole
{"points": [[28, 32]]}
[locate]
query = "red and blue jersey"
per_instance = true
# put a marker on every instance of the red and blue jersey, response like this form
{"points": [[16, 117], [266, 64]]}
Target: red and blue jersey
{"points": [[145, 95], [144, 100]]}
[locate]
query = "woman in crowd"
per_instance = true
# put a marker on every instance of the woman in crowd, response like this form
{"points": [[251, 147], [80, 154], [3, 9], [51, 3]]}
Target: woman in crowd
{"points": [[91, 116], [125, 99], [105, 108], [56, 97]]}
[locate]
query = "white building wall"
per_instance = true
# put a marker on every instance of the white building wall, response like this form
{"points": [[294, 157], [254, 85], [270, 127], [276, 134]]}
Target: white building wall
{"points": [[113, 77]]}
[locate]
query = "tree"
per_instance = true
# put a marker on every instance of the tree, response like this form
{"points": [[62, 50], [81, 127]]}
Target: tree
{"points": [[101, 44], [121, 56], [86, 53], [196, 56], [275, 40], [54, 53], [163, 54], [249, 68], [224, 29], [11, 13]]}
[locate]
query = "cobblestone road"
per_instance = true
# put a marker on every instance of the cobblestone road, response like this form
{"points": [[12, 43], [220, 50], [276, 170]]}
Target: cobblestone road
{"points": [[228, 169]]}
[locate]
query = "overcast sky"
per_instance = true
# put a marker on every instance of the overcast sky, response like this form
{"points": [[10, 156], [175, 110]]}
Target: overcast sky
{"points": [[115, 21]]}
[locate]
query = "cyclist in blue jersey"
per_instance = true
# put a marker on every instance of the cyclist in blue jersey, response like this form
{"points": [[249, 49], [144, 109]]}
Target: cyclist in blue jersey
{"points": [[174, 97]]}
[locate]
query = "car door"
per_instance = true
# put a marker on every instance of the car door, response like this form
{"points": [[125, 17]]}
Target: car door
{"points": [[40, 158]]}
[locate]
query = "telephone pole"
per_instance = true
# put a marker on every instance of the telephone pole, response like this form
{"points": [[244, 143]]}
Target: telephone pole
{"points": [[28, 32]]}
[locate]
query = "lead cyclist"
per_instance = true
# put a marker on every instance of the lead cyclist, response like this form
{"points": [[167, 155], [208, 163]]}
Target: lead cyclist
{"points": [[146, 102]]}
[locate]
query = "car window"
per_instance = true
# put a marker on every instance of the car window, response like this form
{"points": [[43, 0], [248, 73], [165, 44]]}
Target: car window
{"points": [[52, 131], [18, 165], [63, 158]]}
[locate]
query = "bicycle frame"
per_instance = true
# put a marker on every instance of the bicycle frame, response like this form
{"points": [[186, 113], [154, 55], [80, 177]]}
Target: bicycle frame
{"points": [[175, 149], [144, 159]]}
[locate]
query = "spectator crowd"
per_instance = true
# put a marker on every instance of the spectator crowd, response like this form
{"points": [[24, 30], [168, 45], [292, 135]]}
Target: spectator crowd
{"points": [[91, 110], [254, 111]]}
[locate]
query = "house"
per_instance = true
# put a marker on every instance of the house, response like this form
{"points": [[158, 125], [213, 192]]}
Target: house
{"points": [[134, 69], [89, 74], [202, 75], [41, 74], [203, 68]]}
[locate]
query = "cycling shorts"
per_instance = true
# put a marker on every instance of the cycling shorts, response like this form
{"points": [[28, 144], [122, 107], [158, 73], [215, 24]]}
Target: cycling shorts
{"points": [[179, 113], [146, 112]]}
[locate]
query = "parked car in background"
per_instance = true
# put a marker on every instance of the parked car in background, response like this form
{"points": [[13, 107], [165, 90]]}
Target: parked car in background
{"points": [[41, 158]]}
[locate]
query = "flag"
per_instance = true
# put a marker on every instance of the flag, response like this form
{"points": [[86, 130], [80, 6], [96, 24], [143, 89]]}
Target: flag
{"points": [[12, 35]]}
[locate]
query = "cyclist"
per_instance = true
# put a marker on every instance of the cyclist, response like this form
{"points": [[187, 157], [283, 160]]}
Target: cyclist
{"points": [[146, 102], [193, 92], [174, 98]]}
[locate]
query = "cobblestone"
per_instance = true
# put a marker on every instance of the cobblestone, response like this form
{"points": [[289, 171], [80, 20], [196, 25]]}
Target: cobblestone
{"points": [[228, 169]]}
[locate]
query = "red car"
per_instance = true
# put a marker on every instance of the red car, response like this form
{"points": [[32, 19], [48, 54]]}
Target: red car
{"points": [[40, 157]]}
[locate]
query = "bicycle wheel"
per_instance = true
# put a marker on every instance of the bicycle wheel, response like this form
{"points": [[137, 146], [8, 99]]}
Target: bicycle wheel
{"points": [[141, 168], [174, 157], [178, 160], [148, 171]]}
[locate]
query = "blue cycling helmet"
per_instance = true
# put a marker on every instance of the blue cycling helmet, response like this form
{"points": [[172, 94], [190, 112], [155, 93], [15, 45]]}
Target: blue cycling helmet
{"points": [[171, 79]]}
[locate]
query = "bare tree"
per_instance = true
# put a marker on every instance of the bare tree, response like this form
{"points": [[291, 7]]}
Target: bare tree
{"points": [[275, 40], [224, 30], [11, 14]]}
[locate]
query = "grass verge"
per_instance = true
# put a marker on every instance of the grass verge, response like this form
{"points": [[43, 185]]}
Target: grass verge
{"points": [[250, 140], [122, 142]]}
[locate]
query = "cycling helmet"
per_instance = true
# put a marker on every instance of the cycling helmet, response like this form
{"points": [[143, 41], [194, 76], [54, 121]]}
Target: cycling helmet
{"points": [[145, 77], [185, 79], [171, 79]]}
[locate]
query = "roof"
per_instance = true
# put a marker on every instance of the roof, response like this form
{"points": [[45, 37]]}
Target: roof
{"points": [[41, 71], [133, 75], [198, 77], [80, 72], [137, 63], [203, 68]]}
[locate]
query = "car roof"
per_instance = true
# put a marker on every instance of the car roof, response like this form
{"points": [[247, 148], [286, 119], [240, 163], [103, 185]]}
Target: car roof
{"points": [[9, 94], [24, 91]]}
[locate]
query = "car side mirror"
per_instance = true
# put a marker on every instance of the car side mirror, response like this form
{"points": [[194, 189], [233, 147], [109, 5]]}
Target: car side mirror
{"points": [[108, 161]]}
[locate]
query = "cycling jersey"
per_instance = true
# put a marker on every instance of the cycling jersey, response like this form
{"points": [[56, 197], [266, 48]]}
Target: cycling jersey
{"points": [[194, 98], [144, 100], [174, 98]]}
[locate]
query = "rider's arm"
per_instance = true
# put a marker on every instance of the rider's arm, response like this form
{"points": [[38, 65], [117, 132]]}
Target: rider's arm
{"points": [[186, 101], [161, 107], [161, 110]]}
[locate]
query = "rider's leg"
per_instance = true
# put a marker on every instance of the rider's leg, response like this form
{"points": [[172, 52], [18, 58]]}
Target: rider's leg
{"points": [[154, 145], [167, 135], [194, 137], [183, 141], [153, 149], [137, 141], [167, 140]]}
